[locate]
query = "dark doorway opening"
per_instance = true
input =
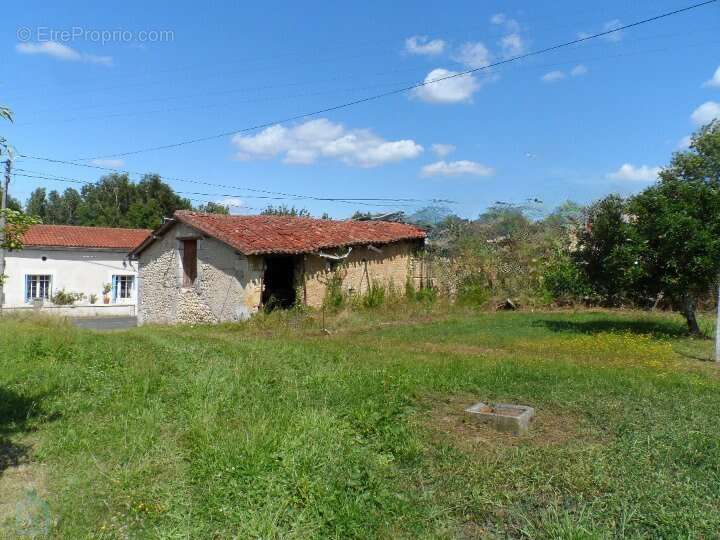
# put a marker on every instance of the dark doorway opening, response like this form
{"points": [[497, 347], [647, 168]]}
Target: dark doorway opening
{"points": [[279, 283]]}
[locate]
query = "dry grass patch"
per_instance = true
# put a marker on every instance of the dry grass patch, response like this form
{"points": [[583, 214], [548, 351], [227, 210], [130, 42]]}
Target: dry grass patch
{"points": [[447, 420]]}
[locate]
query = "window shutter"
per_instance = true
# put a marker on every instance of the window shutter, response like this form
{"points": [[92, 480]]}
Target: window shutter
{"points": [[113, 292], [27, 288], [189, 262]]}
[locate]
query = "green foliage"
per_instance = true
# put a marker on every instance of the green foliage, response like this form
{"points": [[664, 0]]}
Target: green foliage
{"points": [[564, 281], [473, 292], [283, 210], [114, 201], [423, 295], [214, 208], [375, 296], [17, 224], [607, 250], [93, 298], [64, 298], [334, 295]]}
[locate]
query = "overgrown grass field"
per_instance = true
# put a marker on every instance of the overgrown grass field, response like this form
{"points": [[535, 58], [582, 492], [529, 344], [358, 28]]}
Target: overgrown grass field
{"points": [[272, 429]]}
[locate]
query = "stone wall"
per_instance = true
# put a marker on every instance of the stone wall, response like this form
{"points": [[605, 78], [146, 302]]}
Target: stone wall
{"points": [[229, 285], [391, 266], [227, 288]]}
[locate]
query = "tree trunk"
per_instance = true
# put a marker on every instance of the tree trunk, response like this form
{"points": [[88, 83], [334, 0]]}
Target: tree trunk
{"points": [[688, 310]]}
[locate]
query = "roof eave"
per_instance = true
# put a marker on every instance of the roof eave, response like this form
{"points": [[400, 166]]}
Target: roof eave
{"points": [[157, 233]]}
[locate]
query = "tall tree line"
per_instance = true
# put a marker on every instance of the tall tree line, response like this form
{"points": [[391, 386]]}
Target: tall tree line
{"points": [[114, 201]]}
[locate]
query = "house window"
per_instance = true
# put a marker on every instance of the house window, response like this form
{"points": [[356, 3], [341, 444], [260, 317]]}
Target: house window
{"points": [[122, 287], [189, 262], [37, 287]]}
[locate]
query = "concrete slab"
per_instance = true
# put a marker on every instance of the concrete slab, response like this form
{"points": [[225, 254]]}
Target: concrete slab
{"points": [[506, 417]]}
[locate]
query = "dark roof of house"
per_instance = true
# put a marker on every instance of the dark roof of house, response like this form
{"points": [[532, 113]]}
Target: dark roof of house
{"points": [[84, 237], [259, 235]]}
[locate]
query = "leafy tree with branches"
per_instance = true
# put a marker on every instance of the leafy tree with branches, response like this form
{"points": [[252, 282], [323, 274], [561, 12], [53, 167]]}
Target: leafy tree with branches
{"points": [[678, 224], [284, 210]]}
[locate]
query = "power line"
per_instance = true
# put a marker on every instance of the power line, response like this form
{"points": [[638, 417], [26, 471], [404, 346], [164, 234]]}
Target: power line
{"points": [[286, 97], [225, 186], [406, 88], [361, 202]]}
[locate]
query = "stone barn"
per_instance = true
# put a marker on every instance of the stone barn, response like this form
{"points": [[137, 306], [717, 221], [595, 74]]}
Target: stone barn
{"points": [[211, 268]]}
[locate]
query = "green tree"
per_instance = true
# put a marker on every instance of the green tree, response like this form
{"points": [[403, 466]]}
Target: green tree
{"points": [[37, 203], [12, 202], [678, 224], [214, 208], [606, 250], [284, 210]]}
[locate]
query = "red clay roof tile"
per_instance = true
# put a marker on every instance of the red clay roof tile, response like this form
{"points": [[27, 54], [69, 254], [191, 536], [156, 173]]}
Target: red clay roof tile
{"points": [[87, 237], [255, 235]]}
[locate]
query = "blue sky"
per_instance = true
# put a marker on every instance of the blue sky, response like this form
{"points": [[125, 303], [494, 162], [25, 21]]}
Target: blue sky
{"points": [[576, 124]]}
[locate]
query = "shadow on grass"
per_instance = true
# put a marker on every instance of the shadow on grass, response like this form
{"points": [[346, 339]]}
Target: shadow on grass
{"points": [[667, 329], [16, 412]]}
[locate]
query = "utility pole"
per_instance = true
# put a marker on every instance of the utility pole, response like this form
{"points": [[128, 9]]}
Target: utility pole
{"points": [[3, 223]]}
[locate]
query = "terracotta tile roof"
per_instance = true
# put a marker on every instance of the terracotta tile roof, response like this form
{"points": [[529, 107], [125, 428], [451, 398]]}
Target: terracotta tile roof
{"points": [[255, 235], [88, 237]]}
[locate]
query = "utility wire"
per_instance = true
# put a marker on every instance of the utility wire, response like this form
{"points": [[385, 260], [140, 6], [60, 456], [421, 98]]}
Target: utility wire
{"points": [[406, 88], [254, 190], [286, 97], [361, 202]]}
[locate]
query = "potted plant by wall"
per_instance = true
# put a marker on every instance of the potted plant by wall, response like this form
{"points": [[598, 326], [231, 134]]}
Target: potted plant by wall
{"points": [[106, 293], [93, 298]]}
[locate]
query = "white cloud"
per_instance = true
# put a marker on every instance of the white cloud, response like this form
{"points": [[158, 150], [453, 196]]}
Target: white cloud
{"points": [[473, 55], [455, 90], [715, 81], [612, 25], [706, 113], [684, 143], [61, 52], [442, 150], [457, 168], [305, 143], [553, 76], [231, 201], [635, 174], [424, 45], [112, 163], [579, 70], [512, 45], [501, 19]]}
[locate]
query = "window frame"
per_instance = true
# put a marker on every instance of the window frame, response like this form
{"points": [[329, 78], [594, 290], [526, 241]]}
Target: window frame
{"points": [[35, 281], [117, 282]]}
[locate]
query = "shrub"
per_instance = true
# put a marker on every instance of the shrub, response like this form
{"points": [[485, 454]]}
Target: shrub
{"points": [[473, 291], [424, 295], [374, 297], [563, 281], [63, 298], [334, 295]]}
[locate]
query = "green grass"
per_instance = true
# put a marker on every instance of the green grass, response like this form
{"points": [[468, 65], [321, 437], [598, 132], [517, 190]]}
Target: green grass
{"points": [[270, 429]]}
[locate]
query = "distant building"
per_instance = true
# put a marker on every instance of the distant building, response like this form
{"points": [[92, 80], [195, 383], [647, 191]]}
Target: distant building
{"points": [[212, 268], [83, 262]]}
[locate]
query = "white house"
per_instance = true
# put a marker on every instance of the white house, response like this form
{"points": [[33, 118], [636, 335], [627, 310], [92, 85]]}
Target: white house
{"points": [[87, 263]]}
